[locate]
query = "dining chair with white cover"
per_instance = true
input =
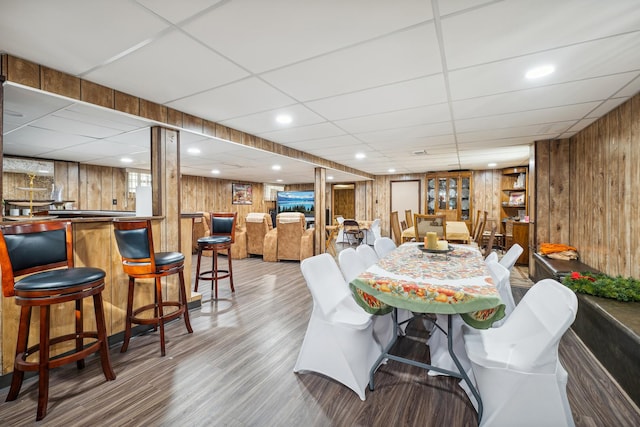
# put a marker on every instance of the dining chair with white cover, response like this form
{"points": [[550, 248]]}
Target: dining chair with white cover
{"points": [[351, 265], [373, 232], [493, 256], [501, 278], [516, 367], [383, 246], [339, 341], [367, 254], [509, 259], [340, 238]]}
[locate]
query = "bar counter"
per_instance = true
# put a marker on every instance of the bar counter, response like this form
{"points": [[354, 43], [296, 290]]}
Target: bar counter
{"points": [[95, 246]]}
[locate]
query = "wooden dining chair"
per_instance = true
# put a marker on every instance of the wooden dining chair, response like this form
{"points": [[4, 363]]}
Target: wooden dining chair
{"points": [[408, 217], [477, 237], [476, 224], [422, 224], [395, 228]]}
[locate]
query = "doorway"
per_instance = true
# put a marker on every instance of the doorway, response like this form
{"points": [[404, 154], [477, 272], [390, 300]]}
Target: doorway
{"points": [[344, 200]]}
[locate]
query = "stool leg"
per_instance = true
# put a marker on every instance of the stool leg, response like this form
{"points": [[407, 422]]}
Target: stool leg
{"points": [[214, 271], [43, 364], [127, 327], [160, 314], [79, 329], [198, 269], [183, 299], [230, 270], [102, 336], [21, 348]]}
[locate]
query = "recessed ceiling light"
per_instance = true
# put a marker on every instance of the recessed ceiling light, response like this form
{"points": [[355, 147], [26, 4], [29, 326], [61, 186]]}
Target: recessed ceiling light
{"points": [[492, 165], [541, 71], [330, 177], [126, 160], [193, 150], [392, 170], [360, 155], [276, 167], [284, 119], [278, 180], [215, 171]]}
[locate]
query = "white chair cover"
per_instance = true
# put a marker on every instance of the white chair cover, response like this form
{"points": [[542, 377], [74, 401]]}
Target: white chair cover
{"points": [[509, 259], [383, 246], [351, 265], [339, 341], [373, 232], [516, 367], [500, 276], [367, 254], [491, 257]]}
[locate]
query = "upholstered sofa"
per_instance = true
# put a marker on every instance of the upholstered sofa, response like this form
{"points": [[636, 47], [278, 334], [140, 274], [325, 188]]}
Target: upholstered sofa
{"points": [[239, 246], [290, 239], [257, 226]]}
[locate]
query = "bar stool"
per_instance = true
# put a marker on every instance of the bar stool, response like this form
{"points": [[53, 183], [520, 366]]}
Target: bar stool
{"points": [[140, 261], [41, 249], [221, 237]]}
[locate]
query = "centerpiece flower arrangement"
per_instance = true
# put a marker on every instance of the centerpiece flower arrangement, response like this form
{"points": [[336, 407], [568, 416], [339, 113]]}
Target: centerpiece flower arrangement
{"points": [[602, 285]]}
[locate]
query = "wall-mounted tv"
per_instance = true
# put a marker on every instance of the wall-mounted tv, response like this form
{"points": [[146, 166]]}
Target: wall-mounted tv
{"points": [[296, 201]]}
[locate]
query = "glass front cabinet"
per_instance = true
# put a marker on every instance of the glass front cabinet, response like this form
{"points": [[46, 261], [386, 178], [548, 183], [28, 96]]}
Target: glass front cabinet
{"points": [[450, 193]]}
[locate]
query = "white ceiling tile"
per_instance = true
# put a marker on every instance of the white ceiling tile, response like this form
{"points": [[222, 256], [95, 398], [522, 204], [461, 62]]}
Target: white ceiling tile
{"points": [[241, 98], [398, 57], [631, 89], [515, 28], [596, 89], [266, 121], [303, 133], [74, 35], [397, 119], [410, 94], [281, 32], [170, 67], [606, 106], [547, 115], [176, 12], [576, 62]]}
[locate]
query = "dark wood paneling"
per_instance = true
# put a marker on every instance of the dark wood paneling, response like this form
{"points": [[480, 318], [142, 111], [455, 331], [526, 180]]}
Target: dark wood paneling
{"points": [[126, 103], [22, 71], [153, 111], [96, 94], [56, 82]]}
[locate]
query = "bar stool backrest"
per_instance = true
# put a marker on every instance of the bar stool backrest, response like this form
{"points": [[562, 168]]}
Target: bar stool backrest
{"points": [[135, 243], [224, 224], [32, 247]]}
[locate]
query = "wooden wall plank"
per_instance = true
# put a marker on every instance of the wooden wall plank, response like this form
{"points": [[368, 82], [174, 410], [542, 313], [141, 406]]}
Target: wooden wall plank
{"points": [[22, 71], [97, 94], [542, 222], [56, 82], [126, 103]]}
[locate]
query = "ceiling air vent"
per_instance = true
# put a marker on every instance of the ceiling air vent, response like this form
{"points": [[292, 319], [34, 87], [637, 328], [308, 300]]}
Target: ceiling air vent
{"points": [[419, 153]]}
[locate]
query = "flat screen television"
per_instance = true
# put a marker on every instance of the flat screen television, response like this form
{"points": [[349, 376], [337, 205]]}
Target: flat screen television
{"points": [[296, 201]]}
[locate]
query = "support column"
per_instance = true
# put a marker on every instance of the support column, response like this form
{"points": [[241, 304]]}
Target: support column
{"points": [[320, 206]]}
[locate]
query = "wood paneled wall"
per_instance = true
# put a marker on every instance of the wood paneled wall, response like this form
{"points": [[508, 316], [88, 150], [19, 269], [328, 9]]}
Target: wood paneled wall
{"points": [[587, 191], [486, 193]]}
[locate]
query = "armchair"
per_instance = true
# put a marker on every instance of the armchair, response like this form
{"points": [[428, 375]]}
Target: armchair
{"points": [[289, 240], [257, 227]]}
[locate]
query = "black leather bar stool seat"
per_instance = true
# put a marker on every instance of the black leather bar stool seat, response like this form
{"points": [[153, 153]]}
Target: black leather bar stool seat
{"points": [[139, 261], [36, 248], [222, 235]]}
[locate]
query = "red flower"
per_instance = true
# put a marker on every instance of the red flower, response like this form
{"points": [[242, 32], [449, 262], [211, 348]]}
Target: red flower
{"points": [[575, 275]]}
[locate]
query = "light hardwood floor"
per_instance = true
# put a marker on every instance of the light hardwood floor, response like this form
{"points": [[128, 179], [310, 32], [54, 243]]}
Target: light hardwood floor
{"points": [[236, 369]]}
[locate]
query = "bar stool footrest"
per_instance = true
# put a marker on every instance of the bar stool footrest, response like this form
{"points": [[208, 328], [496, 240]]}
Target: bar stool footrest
{"points": [[56, 361]]}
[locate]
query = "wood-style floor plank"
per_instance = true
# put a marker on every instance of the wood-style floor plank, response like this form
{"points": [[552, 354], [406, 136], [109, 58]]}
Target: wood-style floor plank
{"points": [[236, 369]]}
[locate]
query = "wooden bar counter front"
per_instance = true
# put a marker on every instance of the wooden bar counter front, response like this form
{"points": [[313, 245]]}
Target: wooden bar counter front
{"points": [[95, 246]]}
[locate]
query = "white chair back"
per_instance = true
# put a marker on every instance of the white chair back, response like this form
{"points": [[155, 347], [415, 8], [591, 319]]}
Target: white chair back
{"points": [[509, 259], [491, 257], [533, 330], [373, 233], [351, 264], [367, 254], [325, 281], [383, 246], [501, 276]]}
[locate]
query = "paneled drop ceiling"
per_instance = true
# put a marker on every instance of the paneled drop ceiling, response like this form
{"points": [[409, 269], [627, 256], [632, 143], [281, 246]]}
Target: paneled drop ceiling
{"points": [[387, 78]]}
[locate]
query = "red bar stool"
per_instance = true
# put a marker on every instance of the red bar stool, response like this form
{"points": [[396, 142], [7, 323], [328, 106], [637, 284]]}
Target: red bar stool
{"points": [[139, 261], [40, 249], [221, 237]]}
